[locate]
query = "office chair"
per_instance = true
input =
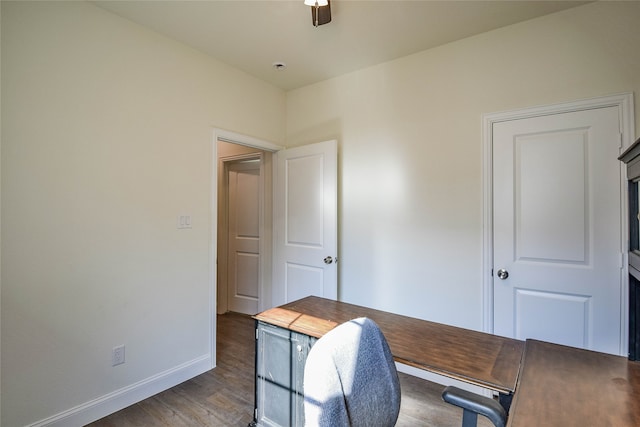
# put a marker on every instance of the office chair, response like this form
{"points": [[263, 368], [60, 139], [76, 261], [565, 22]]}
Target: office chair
{"points": [[350, 378], [474, 405]]}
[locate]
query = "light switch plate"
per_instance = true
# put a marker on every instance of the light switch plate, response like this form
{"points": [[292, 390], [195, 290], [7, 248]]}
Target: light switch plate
{"points": [[184, 221]]}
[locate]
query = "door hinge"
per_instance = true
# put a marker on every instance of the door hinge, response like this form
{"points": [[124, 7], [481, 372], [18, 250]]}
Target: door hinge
{"points": [[620, 141]]}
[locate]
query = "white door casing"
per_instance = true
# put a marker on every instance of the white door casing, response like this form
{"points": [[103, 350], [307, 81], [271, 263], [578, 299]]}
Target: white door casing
{"points": [[305, 223], [245, 205], [558, 226]]}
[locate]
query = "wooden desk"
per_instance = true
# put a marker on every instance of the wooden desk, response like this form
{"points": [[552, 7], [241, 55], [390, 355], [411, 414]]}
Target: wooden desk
{"points": [[477, 358], [566, 386]]}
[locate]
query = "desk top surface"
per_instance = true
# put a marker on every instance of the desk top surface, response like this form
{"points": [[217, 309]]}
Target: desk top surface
{"points": [[474, 357], [566, 386]]}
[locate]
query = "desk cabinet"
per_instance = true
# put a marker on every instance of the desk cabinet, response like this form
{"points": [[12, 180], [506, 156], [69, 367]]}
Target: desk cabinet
{"points": [[280, 359], [631, 157]]}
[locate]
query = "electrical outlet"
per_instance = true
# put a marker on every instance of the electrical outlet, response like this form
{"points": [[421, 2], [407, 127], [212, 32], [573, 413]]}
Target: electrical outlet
{"points": [[117, 355]]}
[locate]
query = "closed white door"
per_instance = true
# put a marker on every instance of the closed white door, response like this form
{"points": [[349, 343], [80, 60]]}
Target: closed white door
{"points": [[243, 269], [557, 229], [305, 223]]}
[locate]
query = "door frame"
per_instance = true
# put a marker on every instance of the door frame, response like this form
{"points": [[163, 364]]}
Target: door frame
{"points": [[234, 138], [624, 103]]}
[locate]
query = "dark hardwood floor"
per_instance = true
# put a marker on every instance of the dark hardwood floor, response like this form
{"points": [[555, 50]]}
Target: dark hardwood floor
{"points": [[224, 396]]}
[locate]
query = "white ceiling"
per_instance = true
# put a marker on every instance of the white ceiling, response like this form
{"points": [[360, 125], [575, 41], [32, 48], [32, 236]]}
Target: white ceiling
{"points": [[252, 35]]}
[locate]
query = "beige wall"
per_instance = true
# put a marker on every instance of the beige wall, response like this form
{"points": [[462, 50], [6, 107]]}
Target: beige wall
{"points": [[410, 134], [107, 138]]}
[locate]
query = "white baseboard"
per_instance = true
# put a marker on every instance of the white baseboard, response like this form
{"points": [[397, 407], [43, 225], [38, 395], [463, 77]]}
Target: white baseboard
{"points": [[112, 402], [109, 403], [442, 380]]}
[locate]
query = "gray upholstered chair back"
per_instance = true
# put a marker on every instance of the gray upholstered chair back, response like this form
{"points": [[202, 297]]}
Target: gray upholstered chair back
{"points": [[350, 378]]}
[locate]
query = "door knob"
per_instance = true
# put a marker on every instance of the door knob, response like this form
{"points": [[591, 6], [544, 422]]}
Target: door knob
{"points": [[503, 274], [328, 260]]}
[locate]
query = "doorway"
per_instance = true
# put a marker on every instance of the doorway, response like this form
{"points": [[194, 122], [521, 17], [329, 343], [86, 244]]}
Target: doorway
{"points": [[244, 239], [269, 294], [243, 144]]}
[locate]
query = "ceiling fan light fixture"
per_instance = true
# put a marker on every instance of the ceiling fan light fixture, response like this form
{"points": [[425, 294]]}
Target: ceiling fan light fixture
{"points": [[320, 11]]}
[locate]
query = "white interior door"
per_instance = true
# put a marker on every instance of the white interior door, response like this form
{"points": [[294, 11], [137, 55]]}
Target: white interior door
{"points": [[244, 258], [305, 223], [557, 229]]}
